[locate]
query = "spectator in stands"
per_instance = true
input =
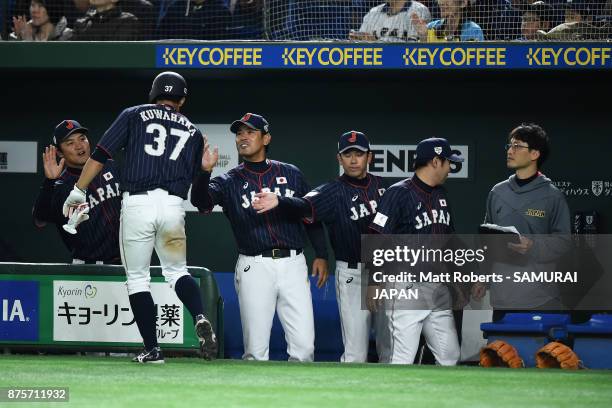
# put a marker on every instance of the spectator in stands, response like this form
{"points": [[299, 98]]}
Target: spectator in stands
{"points": [[145, 12], [454, 25], [105, 21], [536, 17], [497, 19], [578, 25], [75, 9], [193, 19], [247, 19], [45, 24], [391, 22]]}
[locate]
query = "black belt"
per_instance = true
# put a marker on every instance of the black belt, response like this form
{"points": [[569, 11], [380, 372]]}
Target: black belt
{"points": [[146, 192], [352, 265], [279, 253]]}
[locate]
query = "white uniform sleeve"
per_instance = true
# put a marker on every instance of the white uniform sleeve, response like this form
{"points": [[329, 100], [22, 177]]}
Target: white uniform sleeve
{"points": [[367, 25]]}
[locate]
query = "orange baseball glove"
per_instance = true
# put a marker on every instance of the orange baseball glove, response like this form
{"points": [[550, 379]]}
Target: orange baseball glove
{"points": [[500, 354], [557, 355]]}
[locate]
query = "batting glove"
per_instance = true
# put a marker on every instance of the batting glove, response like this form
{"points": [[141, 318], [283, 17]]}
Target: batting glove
{"points": [[79, 215], [76, 197]]}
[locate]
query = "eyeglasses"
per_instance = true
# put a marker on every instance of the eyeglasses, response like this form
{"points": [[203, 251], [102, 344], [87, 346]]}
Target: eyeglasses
{"points": [[515, 146]]}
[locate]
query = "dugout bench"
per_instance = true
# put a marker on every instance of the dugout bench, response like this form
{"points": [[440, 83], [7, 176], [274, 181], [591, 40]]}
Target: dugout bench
{"points": [[70, 307]]}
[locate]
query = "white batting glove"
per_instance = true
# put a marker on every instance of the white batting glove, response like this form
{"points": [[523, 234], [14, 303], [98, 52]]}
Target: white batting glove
{"points": [[76, 197], [78, 215]]}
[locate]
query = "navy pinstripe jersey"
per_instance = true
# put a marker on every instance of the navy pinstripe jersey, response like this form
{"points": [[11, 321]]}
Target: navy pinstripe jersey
{"points": [[255, 233], [347, 210], [163, 149], [413, 207], [98, 238]]}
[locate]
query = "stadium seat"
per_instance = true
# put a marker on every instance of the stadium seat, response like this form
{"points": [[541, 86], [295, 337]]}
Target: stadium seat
{"points": [[593, 341], [527, 332]]}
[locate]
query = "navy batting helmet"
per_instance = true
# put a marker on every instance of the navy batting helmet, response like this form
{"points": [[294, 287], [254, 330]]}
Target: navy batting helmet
{"points": [[168, 84]]}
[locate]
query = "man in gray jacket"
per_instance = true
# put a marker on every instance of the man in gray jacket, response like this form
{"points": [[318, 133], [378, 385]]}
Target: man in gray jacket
{"points": [[529, 202]]}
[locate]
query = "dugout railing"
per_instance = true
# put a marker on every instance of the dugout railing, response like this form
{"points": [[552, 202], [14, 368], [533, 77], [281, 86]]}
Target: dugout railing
{"points": [[71, 308]]}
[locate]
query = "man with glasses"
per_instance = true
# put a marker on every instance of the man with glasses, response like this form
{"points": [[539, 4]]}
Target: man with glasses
{"points": [[529, 202]]}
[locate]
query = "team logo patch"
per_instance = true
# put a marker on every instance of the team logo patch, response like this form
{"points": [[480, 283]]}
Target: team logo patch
{"points": [[353, 137], [442, 202], [247, 268], [597, 187], [380, 219], [107, 176], [438, 149], [354, 197], [246, 184], [349, 280], [69, 124], [281, 180]]}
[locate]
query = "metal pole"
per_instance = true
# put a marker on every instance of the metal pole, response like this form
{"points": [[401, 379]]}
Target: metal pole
{"points": [[266, 20], [3, 24]]}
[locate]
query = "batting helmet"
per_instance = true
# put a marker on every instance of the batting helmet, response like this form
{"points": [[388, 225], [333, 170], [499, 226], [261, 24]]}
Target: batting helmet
{"points": [[168, 84]]}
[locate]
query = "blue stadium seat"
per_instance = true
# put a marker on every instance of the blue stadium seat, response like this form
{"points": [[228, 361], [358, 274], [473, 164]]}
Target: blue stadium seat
{"points": [[527, 332], [593, 341], [312, 20]]}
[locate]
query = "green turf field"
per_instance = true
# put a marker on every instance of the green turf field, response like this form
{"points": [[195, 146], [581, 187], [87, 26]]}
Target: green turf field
{"points": [[190, 382]]}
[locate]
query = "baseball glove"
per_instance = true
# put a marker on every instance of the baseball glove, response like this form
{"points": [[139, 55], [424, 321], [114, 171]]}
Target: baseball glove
{"points": [[557, 355], [500, 354]]}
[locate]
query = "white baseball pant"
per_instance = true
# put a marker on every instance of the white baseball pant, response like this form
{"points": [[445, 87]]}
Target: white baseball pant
{"points": [[154, 220], [438, 327], [356, 322], [265, 285]]}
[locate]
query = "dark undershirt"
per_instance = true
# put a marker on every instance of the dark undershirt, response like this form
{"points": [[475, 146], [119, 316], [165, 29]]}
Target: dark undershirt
{"points": [[522, 182]]}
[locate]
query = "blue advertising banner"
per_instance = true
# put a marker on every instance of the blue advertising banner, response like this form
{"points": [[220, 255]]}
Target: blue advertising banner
{"points": [[19, 310], [387, 56]]}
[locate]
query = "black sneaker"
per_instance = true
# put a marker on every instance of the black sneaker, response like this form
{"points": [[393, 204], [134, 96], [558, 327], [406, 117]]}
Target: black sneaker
{"points": [[154, 356], [208, 340]]}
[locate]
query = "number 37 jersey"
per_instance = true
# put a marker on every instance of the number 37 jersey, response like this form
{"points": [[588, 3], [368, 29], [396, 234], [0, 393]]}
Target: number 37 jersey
{"points": [[163, 149]]}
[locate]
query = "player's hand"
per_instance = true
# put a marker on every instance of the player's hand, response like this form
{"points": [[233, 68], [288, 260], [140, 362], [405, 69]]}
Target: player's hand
{"points": [[76, 197], [264, 202], [52, 169], [523, 247], [209, 159], [77, 215], [420, 25], [371, 303], [478, 291], [320, 269]]}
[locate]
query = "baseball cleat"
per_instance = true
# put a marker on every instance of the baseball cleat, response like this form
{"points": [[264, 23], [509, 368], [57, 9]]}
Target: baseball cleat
{"points": [[154, 356], [208, 340]]}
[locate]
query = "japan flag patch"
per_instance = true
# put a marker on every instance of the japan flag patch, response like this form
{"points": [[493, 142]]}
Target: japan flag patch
{"points": [[281, 180], [442, 202], [107, 176], [380, 219]]}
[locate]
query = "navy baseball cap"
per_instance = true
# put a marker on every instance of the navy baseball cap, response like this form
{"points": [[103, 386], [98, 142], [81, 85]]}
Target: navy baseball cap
{"points": [[65, 129], [252, 120], [435, 146], [353, 140]]}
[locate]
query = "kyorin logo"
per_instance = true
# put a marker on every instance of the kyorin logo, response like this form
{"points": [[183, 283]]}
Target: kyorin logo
{"points": [[90, 291]]}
